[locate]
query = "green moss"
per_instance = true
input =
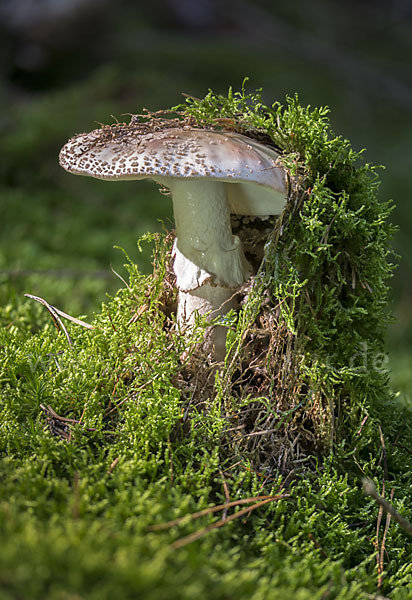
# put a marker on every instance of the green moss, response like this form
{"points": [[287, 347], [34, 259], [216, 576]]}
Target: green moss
{"points": [[78, 497], [326, 265]]}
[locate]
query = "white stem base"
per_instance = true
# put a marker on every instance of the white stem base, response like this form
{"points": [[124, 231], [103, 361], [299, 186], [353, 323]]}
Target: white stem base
{"points": [[212, 301], [209, 261]]}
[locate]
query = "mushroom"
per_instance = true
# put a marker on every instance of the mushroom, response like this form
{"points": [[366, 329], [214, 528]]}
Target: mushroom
{"points": [[210, 175]]}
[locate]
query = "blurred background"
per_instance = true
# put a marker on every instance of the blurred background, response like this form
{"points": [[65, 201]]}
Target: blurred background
{"points": [[69, 64]]}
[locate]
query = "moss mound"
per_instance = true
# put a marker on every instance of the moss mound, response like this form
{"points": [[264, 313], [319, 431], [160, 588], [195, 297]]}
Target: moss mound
{"points": [[106, 437], [305, 356]]}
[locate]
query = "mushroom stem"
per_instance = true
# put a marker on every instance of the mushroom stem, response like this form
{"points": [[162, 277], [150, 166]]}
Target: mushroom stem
{"points": [[209, 261], [204, 231]]}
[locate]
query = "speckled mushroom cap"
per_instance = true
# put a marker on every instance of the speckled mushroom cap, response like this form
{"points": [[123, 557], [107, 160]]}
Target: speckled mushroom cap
{"points": [[257, 180]]}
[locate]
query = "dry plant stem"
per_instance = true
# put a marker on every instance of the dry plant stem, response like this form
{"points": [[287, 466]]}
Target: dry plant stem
{"points": [[370, 489], [382, 552], [213, 509], [227, 494], [188, 539], [109, 410], [54, 315], [376, 544], [113, 465], [48, 409], [384, 455], [362, 425]]}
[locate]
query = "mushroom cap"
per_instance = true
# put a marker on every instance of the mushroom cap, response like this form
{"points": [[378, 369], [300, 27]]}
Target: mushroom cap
{"points": [[256, 180]]}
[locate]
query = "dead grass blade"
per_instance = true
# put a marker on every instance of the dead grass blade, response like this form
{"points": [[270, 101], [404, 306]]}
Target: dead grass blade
{"points": [[213, 509], [55, 313], [73, 319], [121, 279], [188, 539], [58, 323]]}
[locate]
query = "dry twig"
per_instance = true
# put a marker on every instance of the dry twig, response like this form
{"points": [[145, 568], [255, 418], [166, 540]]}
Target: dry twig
{"points": [[370, 489]]}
